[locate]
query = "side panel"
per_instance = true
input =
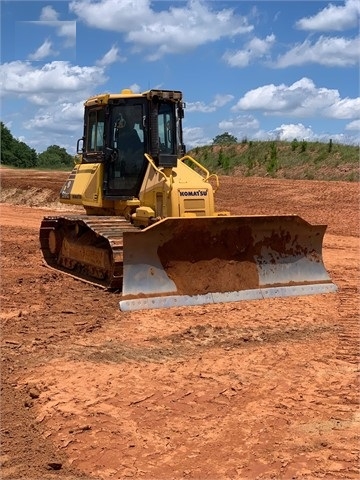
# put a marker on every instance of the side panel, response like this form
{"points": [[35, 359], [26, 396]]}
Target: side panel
{"points": [[84, 185]]}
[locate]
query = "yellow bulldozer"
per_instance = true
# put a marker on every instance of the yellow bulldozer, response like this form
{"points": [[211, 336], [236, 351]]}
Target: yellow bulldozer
{"points": [[150, 228]]}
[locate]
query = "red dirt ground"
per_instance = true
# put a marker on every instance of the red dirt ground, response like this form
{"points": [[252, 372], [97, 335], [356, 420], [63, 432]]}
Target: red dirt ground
{"points": [[251, 390]]}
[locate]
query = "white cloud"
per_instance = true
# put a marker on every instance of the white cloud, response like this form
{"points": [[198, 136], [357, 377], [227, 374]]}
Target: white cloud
{"points": [[199, 107], [135, 88], [255, 48], [39, 99], [260, 46], [222, 100], [59, 123], [354, 126], [240, 126], [60, 118], [219, 101], [344, 108], [52, 78], [241, 58], [195, 137], [67, 29], [111, 56], [114, 15], [290, 131], [333, 18], [301, 99], [330, 52], [175, 30], [45, 50], [48, 13]]}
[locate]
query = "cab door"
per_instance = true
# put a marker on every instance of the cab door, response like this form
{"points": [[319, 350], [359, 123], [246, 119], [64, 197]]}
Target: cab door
{"points": [[126, 167]]}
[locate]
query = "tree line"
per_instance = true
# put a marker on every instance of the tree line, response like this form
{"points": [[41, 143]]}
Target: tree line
{"points": [[15, 153]]}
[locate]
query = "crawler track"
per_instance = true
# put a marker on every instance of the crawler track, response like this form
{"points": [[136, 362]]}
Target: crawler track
{"points": [[86, 247]]}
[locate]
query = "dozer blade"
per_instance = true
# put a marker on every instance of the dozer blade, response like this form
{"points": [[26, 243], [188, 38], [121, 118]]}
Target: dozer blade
{"points": [[193, 261]]}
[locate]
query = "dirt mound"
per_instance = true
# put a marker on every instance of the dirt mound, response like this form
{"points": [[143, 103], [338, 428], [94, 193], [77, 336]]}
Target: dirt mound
{"points": [[33, 188], [33, 197]]}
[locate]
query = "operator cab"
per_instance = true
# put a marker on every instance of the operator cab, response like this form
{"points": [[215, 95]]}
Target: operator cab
{"points": [[120, 130]]}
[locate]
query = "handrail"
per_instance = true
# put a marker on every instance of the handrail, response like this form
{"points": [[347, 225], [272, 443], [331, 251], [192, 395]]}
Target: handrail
{"points": [[152, 163], [169, 179], [201, 167]]}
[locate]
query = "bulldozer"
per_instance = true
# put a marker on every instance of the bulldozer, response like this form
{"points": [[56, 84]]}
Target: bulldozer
{"points": [[150, 229]]}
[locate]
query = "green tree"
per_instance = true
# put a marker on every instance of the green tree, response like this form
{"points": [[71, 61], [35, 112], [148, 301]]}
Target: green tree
{"points": [[55, 157], [223, 160], [303, 146], [14, 152], [224, 139], [6, 138], [294, 144], [272, 165], [27, 157]]}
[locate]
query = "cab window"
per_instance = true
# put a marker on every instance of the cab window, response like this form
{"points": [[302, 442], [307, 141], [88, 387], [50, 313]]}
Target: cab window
{"points": [[166, 133], [95, 130]]}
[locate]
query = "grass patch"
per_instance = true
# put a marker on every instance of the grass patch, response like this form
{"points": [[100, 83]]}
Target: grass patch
{"points": [[296, 159]]}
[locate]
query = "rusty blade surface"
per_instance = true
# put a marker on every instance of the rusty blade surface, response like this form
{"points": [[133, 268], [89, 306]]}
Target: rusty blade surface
{"points": [[194, 257]]}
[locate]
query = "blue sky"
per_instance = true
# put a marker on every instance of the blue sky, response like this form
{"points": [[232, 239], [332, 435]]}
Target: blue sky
{"points": [[258, 70]]}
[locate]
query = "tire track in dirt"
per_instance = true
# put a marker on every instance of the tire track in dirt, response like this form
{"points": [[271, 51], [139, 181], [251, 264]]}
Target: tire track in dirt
{"points": [[349, 303], [348, 349]]}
